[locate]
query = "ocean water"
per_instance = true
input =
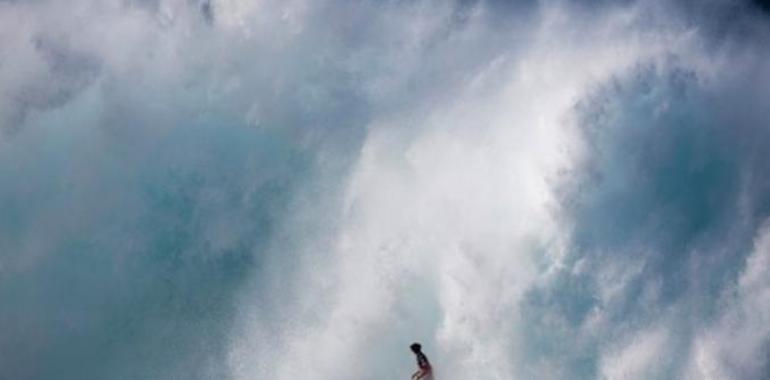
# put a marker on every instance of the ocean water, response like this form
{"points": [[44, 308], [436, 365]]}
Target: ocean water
{"points": [[227, 189]]}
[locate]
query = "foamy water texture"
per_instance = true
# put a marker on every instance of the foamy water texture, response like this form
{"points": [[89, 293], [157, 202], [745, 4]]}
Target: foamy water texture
{"points": [[299, 189]]}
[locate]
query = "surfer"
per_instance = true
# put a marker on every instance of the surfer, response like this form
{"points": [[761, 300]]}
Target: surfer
{"points": [[424, 372]]}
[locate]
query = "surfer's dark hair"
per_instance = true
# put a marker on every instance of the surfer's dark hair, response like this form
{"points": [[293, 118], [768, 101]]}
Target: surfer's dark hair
{"points": [[416, 347]]}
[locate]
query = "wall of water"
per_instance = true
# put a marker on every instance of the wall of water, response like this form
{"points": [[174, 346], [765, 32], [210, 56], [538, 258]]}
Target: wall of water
{"points": [[227, 189]]}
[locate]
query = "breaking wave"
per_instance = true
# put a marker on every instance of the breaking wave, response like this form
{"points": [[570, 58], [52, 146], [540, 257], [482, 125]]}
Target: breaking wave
{"points": [[299, 189]]}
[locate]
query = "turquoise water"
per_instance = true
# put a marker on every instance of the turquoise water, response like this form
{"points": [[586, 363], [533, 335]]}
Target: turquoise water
{"points": [[227, 190]]}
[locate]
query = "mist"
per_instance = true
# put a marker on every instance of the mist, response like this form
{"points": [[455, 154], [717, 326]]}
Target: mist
{"points": [[226, 189]]}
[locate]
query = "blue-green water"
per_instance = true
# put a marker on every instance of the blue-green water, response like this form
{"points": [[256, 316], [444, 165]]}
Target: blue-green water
{"points": [[298, 190]]}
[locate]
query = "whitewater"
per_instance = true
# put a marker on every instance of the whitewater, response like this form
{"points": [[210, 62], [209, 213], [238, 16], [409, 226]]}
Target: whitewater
{"points": [[298, 190]]}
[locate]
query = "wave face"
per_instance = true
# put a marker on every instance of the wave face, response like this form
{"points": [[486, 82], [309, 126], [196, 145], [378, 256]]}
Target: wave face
{"points": [[227, 189]]}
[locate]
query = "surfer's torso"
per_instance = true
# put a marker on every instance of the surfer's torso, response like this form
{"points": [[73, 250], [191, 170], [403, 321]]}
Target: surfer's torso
{"points": [[425, 372]]}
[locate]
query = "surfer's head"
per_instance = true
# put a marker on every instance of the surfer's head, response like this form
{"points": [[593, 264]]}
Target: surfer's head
{"points": [[416, 347]]}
